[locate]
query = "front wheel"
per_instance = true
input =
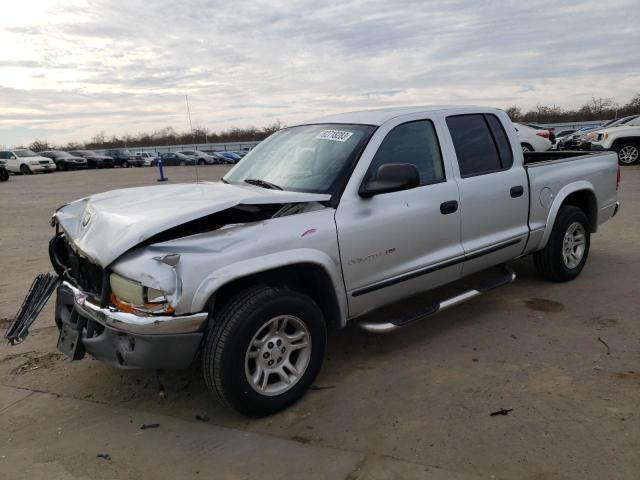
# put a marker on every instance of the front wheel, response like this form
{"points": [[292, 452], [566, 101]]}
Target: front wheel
{"points": [[201, 162], [4, 175], [25, 170], [566, 252], [526, 148], [125, 164], [264, 349], [628, 153]]}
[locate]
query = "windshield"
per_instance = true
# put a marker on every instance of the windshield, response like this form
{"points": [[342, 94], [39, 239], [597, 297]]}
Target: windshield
{"points": [[25, 153], [308, 158], [63, 154]]}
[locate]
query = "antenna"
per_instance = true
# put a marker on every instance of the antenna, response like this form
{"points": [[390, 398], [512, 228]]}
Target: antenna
{"points": [[192, 138]]}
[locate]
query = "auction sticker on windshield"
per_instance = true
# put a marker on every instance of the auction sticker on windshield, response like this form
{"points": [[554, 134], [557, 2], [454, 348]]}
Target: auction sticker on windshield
{"points": [[335, 135]]}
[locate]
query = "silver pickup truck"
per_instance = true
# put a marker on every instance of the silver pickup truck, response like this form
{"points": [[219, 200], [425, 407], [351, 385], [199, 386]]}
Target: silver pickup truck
{"points": [[334, 220]]}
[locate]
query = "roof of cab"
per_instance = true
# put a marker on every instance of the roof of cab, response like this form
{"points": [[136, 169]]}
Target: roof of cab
{"points": [[382, 115]]}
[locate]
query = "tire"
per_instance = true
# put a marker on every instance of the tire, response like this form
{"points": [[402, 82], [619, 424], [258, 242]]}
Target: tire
{"points": [[125, 164], [4, 175], [628, 153], [182, 163], [526, 147], [25, 170], [551, 262], [201, 162], [226, 362]]}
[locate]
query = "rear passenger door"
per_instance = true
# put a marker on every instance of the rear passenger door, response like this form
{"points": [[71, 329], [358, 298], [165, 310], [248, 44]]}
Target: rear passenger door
{"points": [[494, 194]]}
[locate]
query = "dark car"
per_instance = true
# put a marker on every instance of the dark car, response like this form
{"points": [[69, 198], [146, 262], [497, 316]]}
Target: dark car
{"points": [[93, 159], [64, 160], [173, 159], [4, 173], [123, 157], [234, 157]]}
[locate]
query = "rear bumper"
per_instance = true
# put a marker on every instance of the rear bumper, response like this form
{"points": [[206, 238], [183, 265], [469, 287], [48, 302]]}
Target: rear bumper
{"points": [[125, 340]]}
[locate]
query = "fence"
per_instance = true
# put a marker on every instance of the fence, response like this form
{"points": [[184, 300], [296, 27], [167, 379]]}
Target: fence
{"points": [[217, 147]]}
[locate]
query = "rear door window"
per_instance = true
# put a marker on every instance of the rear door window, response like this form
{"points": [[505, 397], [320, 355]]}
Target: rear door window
{"points": [[475, 148], [502, 142]]}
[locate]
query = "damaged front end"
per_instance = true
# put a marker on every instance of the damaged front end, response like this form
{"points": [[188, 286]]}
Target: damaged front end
{"points": [[120, 295]]}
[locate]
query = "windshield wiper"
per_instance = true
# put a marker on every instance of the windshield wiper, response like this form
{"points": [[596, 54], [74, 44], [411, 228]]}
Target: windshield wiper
{"points": [[262, 183]]}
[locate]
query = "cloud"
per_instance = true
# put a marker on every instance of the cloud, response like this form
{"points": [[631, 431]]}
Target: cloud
{"points": [[73, 68]]}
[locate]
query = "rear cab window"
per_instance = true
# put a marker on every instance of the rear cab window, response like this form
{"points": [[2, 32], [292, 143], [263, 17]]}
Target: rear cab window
{"points": [[481, 144]]}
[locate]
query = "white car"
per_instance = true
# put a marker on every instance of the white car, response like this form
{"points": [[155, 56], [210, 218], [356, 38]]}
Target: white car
{"points": [[26, 162], [147, 158], [624, 139], [530, 140], [200, 158]]}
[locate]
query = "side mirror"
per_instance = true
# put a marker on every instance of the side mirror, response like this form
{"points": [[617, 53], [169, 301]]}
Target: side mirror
{"points": [[391, 177]]}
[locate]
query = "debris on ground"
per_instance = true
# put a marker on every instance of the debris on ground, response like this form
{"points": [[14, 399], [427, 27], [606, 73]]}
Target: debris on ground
{"points": [[202, 418], [605, 344], [322, 387], [106, 456], [34, 362], [145, 426], [161, 390], [502, 411], [513, 336]]}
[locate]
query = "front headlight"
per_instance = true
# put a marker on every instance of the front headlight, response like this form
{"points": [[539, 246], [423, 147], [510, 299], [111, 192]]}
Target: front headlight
{"points": [[133, 297]]}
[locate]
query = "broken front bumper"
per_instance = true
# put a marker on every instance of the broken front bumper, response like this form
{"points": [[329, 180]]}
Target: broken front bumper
{"points": [[122, 339]]}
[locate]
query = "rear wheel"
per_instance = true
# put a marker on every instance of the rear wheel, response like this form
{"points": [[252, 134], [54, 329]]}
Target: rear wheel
{"points": [[4, 175], [25, 170], [264, 349], [125, 164], [182, 163], [567, 250], [201, 161], [628, 153]]}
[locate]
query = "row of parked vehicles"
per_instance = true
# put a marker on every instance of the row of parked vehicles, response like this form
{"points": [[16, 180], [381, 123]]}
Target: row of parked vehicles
{"points": [[25, 161], [621, 135]]}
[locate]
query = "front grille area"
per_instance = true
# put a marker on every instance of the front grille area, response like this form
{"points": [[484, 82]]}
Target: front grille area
{"points": [[89, 277], [44, 162]]}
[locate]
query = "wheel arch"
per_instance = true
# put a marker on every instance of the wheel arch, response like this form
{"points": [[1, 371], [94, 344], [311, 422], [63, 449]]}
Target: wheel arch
{"points": [[315, 276], [619, 141], [579, 194]]}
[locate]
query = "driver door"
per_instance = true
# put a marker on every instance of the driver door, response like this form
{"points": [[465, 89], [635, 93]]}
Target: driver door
{"points": [[396, 244]]}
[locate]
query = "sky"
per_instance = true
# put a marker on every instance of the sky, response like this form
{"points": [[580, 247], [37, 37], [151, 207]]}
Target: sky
{"points": [[70, 69]]}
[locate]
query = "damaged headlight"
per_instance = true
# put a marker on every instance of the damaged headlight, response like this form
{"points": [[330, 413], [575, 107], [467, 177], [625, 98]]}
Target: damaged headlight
{"points": [[133, 297]]}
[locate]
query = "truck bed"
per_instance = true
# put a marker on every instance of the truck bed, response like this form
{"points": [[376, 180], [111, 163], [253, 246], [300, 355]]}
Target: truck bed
{"points": [[555, 155], [551, 172]]}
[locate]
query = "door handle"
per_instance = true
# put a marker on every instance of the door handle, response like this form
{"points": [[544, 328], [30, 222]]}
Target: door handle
{"points": [[516, 191], [448, 207]]}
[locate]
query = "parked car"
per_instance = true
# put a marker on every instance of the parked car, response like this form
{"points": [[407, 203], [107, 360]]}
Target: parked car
{"points": [[4, 173], [123, 158], [316, 228], [623, 139], [579, 139], [221, 159], [26, 162], [173, 159], [586, 139], [201, 158], [94, 160], [64, 160], [532, 140], [148, 158], [233, 157]]}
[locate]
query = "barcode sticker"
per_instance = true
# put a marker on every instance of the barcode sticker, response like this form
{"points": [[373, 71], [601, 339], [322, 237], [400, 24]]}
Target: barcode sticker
{"points": [[335, 135]]}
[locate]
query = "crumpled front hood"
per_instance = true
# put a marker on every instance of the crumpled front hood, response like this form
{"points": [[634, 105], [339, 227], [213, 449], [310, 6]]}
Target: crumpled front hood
{"points": [[106, 225]]}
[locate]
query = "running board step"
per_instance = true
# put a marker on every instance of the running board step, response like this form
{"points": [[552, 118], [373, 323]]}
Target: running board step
{"points": [[471, 287]]}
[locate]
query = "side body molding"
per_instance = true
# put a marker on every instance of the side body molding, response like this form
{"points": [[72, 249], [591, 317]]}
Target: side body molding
{"points": [[581, 185], [214, 281]]}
